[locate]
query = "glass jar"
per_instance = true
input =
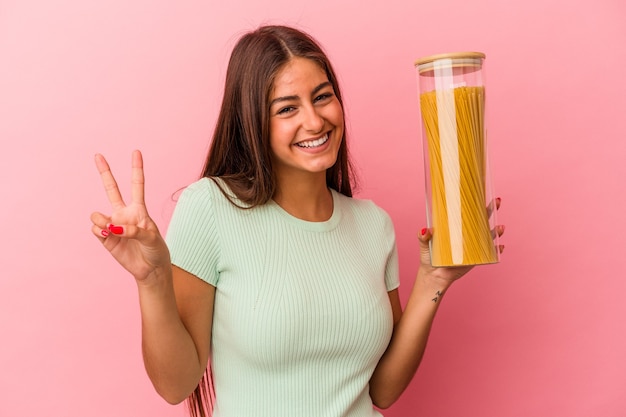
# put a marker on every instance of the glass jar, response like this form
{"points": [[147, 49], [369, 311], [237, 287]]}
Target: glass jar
{"points": [[460, 202]]}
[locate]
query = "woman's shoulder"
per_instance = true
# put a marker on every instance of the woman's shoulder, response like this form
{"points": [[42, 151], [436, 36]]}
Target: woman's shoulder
{"points": [[363, 207], [204, 194], [208, 187], [202, 185]]}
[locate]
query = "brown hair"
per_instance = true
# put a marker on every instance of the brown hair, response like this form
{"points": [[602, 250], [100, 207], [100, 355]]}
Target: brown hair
{"points": [[240, 151]]}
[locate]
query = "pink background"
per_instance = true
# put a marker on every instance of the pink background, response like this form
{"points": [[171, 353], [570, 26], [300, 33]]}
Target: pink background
{"points": [[540, 334]]}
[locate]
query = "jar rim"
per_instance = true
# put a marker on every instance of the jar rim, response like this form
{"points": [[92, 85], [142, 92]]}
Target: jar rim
{"points": [[453, 55]]}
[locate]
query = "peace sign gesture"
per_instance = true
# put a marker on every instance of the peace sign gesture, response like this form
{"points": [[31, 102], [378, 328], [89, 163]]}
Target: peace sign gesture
{"points": [[129, 234]]}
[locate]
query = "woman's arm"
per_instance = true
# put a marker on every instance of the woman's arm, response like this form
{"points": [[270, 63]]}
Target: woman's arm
{"points": [[400, 361], [408, 342], [176, 318], [176, 307]]}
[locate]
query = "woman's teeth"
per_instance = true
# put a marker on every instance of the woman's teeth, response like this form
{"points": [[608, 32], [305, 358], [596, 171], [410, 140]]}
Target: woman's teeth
{"points": [[313, 143]]}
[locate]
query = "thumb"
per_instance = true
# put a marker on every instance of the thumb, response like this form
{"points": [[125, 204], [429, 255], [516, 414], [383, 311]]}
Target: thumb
{"points": [[130, 231], [424, 237]]}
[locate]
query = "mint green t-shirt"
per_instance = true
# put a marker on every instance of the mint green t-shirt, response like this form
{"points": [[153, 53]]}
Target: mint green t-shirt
{"points": [[301, 314]]}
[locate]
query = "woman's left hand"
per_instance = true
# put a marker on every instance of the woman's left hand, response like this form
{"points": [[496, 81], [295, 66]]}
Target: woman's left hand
{"points": [[447, 275]]}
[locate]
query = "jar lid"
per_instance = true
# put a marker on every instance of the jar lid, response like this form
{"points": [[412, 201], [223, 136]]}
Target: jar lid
{"points": [[454, 59]]}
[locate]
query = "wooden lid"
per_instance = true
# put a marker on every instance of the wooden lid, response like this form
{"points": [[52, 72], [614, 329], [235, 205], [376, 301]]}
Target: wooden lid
{"points": [[457, 59]]}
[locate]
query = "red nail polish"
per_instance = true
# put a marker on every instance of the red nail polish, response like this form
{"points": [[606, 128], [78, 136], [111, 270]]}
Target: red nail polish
{"points": [[498, 200], [116, 230], [424, 230], [104, 233]]}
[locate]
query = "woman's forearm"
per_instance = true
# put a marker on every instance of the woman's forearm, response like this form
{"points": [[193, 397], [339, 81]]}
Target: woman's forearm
{"points": [[169, 353], [400, 361]]}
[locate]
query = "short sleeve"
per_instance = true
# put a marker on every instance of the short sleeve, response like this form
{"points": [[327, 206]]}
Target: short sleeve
{"points": [[392, 270], [192, 234]]}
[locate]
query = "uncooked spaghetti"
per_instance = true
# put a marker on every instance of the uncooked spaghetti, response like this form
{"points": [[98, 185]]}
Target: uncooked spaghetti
{"points": [[454, 125]]}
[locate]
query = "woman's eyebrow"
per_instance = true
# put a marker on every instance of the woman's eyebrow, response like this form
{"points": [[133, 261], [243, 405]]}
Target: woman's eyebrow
{"points": [[284, 98], [320, 87], [290, 98]]}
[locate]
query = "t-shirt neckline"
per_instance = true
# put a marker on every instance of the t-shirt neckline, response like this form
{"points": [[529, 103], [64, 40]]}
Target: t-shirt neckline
{"points": [[323, 226]]}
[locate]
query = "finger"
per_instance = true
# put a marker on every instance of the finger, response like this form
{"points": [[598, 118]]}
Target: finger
{"points": [[99, 232], [100, 225], [100, 220], [130, 231], [424, 236], [497, 202], [137, 178], [110, 185], [499, 229]]}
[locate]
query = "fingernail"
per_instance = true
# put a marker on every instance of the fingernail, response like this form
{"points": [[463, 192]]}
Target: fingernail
{"points": [[424, 230], [498, 200], [104, 233], [116, 230]]}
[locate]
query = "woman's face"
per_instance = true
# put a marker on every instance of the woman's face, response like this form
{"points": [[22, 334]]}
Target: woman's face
{"points": [[306, 120]]}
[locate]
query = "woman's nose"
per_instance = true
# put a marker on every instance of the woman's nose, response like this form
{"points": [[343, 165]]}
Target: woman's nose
{"points": [[313, 121]]}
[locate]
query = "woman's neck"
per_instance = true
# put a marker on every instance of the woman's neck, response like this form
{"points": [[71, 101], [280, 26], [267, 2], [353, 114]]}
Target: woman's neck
{"points": [[305, 197]]}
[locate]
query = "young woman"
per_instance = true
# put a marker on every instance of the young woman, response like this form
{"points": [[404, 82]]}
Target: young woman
{"points": [[271, 268]]}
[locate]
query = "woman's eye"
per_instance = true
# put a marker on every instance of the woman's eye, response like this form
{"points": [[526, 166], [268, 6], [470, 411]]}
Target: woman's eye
{"points": [[323, 97], [286, 110]]}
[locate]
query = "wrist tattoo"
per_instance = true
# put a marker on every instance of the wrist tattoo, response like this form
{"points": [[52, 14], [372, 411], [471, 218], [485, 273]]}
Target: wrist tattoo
{"points": [[438, 295]]}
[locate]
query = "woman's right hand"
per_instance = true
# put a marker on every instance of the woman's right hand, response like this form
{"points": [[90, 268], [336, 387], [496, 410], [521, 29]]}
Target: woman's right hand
{"points": [[129, 234]]}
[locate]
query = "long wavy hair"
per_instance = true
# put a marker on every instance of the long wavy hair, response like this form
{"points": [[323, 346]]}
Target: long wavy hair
{"points": [[240, 148]]}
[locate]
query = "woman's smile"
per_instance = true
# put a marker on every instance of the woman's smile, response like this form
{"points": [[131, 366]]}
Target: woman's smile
{"points": [[314, 143]]}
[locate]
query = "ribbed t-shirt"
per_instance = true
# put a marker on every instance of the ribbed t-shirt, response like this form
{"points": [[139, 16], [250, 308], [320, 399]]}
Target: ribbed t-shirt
{"points": [[301, 315]]}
